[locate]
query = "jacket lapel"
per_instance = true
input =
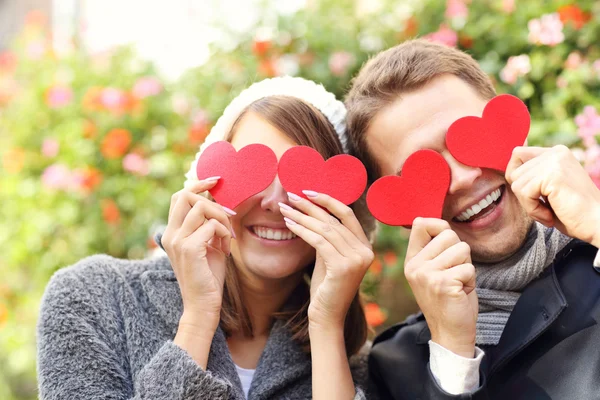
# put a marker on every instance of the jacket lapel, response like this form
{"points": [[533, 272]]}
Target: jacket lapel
{"points": [[281, 362]]}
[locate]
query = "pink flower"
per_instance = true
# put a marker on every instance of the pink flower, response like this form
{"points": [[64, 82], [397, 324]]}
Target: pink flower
{"points": [[516, 66], [136, 164], [456, 9], [340, 61], [57, 176], [546, 30], [181, 104], [50, 148], [146, 87], [36, 49], [58, 96], [574, 60], [596, 67], [588, 123], [444, 35], [508, 6], [114, 99]]}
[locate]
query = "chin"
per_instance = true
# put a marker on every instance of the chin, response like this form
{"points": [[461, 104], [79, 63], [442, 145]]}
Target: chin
{"points": [[503, 244], [274, 268]]}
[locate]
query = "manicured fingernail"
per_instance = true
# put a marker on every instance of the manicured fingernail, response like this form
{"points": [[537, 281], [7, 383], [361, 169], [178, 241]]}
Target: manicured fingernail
{"points": [[294, 197], [229, 211], [285, 207], [310, 193], [213, 179], [289, 221]]}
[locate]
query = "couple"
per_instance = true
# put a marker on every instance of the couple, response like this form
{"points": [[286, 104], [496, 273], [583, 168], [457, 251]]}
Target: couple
{"points": [[262, 302]]}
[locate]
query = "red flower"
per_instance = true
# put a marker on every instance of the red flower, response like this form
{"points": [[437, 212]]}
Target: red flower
{"points": [[375, 316], [116, 143], [411, 28], [390, 258], [87, 179], [574, 14], [8, 61], [200, 127], [267, 68], [465, 41], [110, 211], [261, 47], [91, 99], [375, 267]]}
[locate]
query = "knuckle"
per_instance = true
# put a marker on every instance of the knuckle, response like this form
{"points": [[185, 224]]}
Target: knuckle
{"points": [[333, 221], [347, 212], [326, 227]]}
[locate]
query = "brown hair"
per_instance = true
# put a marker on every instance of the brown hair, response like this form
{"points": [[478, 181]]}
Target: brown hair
{"points": [[401, 69], [307, 126]]}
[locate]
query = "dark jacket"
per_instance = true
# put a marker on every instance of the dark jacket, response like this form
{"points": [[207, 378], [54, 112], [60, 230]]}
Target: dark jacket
{"points": [[105, 332], [550, 347]]}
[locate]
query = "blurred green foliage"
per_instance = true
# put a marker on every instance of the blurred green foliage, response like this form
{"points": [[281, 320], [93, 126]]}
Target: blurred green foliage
{"points": [[93, 145]]}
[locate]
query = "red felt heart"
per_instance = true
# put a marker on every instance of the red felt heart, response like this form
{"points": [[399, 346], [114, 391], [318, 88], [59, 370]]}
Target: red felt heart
{"points": [[243, 173], [342, 177], [419, 192], [488, 142]]}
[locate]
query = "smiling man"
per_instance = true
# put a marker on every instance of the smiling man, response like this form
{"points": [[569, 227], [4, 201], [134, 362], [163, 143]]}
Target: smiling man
{"points": [[506, 282]]}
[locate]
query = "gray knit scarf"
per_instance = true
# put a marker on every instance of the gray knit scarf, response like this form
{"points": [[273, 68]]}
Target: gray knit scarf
{"points": [[499, 285]]}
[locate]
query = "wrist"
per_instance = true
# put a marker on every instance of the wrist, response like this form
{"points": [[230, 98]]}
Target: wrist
{"points": [[464, 349], [198, 325]]}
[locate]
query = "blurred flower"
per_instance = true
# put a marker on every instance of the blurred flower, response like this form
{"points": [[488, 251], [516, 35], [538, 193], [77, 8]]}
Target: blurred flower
{"points": [[390, 258], [375, 266], [116, 100], [35, 49], [456, 9], [546, 30], [57, 176], [411, 27], [180, 104], [340, 62], [573, 14], [13, 160], [443, 35], [267, 68], [110, 211], [146, 87], [375, 316], [287, 64], [465, 41], [58, 96], [116, 143], [508, 6], [50, 148], [3, 314], [588, 123], [91, 99], [87, 179], [561, 82], [8, 61], [89, 129], [516, 66], [574, 60], [199, 128], [261, 47], [136, 164], [36, 18], [8, 89], [596, 67]]}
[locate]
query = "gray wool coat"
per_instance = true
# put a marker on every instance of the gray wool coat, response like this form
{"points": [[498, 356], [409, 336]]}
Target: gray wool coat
{"points": [[105, 331]]}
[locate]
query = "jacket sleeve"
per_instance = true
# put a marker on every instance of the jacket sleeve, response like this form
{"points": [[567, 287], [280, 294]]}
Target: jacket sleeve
{"points": [[359, 366], [82, 352]]}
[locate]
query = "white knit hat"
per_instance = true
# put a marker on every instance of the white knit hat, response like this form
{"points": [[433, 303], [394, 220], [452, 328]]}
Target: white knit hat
{"points": [[308, 91]]}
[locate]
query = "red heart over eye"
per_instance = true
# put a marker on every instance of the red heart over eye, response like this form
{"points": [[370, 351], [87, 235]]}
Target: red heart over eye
{"points": [[243, 173], [419, 192], [488, 142], [342, 177]]}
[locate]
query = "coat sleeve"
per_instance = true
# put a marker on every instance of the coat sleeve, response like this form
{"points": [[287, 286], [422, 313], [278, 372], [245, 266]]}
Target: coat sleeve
{"points": [[82, 353], [364, 385]]}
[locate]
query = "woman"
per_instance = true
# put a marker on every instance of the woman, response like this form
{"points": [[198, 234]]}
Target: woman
{"points": [[231, 313]]}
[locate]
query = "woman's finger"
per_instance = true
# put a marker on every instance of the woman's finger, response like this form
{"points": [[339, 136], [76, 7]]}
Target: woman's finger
{"points": [[195, 187], [203, 210], [341, 211], [204, 236], [187, 201], [318, 242]]}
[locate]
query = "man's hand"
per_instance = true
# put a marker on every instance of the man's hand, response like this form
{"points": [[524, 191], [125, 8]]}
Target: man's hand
{"points": [[571, 200], [440, 273]]}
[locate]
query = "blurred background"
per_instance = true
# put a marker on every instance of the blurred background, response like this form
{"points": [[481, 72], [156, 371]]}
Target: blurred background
{"points": [[103, 104]]}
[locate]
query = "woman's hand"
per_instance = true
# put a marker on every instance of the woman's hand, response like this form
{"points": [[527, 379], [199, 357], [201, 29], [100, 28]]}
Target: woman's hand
{"points": [[343, 254], [197, 241]]}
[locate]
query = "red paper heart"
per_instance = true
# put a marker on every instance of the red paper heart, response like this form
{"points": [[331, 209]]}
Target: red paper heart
{"points": [[243, 173], [342, 177], [419, 192], [488, 142]]}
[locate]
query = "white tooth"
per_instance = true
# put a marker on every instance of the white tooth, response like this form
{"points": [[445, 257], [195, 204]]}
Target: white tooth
{"points": [[277, 235], [270, 234], [483, 203], [489, 199], [470, 212], [476, 209]]}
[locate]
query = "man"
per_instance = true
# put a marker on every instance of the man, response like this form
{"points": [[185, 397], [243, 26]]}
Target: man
{"points": [[525, 239]]}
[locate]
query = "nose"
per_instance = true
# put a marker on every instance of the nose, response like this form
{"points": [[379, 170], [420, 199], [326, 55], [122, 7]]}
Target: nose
{"points": [[462, 176], [273, 195]]}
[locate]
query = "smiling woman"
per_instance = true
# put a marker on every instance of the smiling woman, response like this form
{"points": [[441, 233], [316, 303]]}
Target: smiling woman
{"points": [[260, 301]]}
